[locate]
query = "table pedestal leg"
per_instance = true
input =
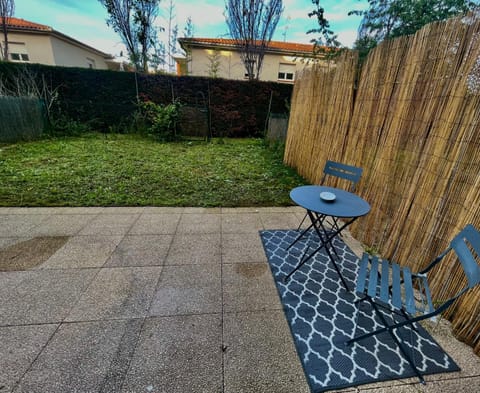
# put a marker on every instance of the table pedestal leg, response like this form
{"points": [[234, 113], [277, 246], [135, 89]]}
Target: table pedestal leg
{"points": [[324, 243]]}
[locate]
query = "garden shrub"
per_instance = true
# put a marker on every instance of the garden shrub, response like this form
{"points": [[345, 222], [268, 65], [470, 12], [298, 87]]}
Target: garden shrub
{"points": [[162, 120]]}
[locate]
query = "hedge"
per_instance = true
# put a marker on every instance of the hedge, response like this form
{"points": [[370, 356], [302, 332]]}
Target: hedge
{"points": [[105, 99]]}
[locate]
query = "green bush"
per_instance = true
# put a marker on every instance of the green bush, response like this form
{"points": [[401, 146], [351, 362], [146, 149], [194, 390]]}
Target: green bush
{"points": [[161, 119], [62, 125]]}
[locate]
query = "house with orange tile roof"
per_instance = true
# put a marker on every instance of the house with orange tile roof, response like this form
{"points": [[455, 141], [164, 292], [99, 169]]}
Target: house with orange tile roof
{"points": [[30, 42], [281, 61]]}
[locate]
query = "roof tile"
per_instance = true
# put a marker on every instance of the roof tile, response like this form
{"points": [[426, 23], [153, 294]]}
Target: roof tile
{"points": [[25, 24], [275, 45]]}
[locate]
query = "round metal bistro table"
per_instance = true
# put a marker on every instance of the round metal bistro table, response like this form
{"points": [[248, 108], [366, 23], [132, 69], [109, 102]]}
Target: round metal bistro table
{"points": [[336, 203]]}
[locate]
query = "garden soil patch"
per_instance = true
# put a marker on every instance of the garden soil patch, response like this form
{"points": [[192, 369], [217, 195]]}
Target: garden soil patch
{"points": [[30, 253]]}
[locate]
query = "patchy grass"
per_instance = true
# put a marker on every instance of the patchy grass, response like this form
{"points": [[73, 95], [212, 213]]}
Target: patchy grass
{"points": [[131, 170]]}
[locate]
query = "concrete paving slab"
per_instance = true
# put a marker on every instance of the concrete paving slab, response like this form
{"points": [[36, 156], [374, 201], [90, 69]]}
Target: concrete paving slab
{"points": [[455, 385], [110, 224], [82, 252], [279, 220], [163, 210], [199, 223], [41, 296], [120, 364], [193, 249], [279, 209], [177, 355], [202, 210], [31, 253], [156, 224], [141, 250], [460, 352], [241, 210], [19, 346], [19, 225], [61, 225], [117, 293], [260, 356], [123, 210], [189, 289], [8, 241], [192, 298], [244, 223], [246, 247], [30, 210], [80, 210], [76, 360], [249, 287]]}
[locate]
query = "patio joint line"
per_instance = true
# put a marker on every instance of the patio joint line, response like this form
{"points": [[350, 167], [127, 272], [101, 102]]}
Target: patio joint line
{"points": [[147, 316], [223, 348], [17, 382]]}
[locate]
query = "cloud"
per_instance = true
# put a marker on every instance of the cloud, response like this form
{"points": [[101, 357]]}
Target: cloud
{"points": [[207, 17], [71, 4], [347, 37]]}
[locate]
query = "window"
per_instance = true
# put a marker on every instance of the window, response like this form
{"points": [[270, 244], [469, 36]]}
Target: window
{"points": [[251, 63], [18, 52], [91, 63], [286, 72]]}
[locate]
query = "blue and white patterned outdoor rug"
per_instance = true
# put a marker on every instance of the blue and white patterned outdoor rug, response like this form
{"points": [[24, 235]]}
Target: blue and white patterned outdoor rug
{"points": [[322, 317]]}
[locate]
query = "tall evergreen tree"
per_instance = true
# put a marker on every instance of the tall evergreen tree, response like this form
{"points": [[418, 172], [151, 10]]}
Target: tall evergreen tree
{"points": [[386, 19]]}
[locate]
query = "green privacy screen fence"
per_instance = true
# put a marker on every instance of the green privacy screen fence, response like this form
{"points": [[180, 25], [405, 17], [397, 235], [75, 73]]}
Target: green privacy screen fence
{"points": [[21, 118]]}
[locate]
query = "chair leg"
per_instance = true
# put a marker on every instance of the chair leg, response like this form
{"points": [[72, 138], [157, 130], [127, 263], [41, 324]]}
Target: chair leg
{"points": [[389, 328]]}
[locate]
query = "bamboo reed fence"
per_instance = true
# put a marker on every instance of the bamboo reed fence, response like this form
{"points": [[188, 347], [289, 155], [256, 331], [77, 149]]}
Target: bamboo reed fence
{"points": [[413, 125]]}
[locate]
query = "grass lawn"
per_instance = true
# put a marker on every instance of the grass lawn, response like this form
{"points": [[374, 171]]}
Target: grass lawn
{"points": [[131, 170]]}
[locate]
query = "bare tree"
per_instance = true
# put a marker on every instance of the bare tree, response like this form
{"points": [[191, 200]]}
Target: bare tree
{"points": [[7, 9], [189, 28], [214, 62], [251, 24], [134, 21], [172, 34]]}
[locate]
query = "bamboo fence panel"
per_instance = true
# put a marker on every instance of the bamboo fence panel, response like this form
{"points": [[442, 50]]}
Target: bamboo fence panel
{"points": [[322, 104], [415, 129]]}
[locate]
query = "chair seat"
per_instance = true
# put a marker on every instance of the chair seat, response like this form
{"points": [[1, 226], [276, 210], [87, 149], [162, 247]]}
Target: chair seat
{"points": [[393, 284]]}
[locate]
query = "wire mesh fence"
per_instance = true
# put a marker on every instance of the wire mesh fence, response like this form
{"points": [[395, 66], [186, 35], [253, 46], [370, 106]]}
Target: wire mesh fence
{"points": [[21, 118]]}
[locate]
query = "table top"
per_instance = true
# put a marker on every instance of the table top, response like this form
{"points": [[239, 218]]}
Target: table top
{"points": [[345, 204]]}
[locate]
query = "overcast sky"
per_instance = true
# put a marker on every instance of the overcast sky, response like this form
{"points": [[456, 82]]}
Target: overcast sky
{"points": [[84, 20]]}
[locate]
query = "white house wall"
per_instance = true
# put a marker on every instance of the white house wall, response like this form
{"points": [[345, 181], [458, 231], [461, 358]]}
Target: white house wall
{"points": [[231, 66], [39, 48], [68, 55]]}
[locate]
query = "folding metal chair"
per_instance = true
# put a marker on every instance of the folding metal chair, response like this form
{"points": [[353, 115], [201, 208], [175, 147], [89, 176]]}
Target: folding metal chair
{"points": [[391, 287], [343, 171]]}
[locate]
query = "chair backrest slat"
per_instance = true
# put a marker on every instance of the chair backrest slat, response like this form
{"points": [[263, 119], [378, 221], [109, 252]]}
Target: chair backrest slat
{"points": [[466, 244], [343, 171]]}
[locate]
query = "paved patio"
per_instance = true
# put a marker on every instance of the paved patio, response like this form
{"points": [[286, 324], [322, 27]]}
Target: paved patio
{"points": [[158, 300]]}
